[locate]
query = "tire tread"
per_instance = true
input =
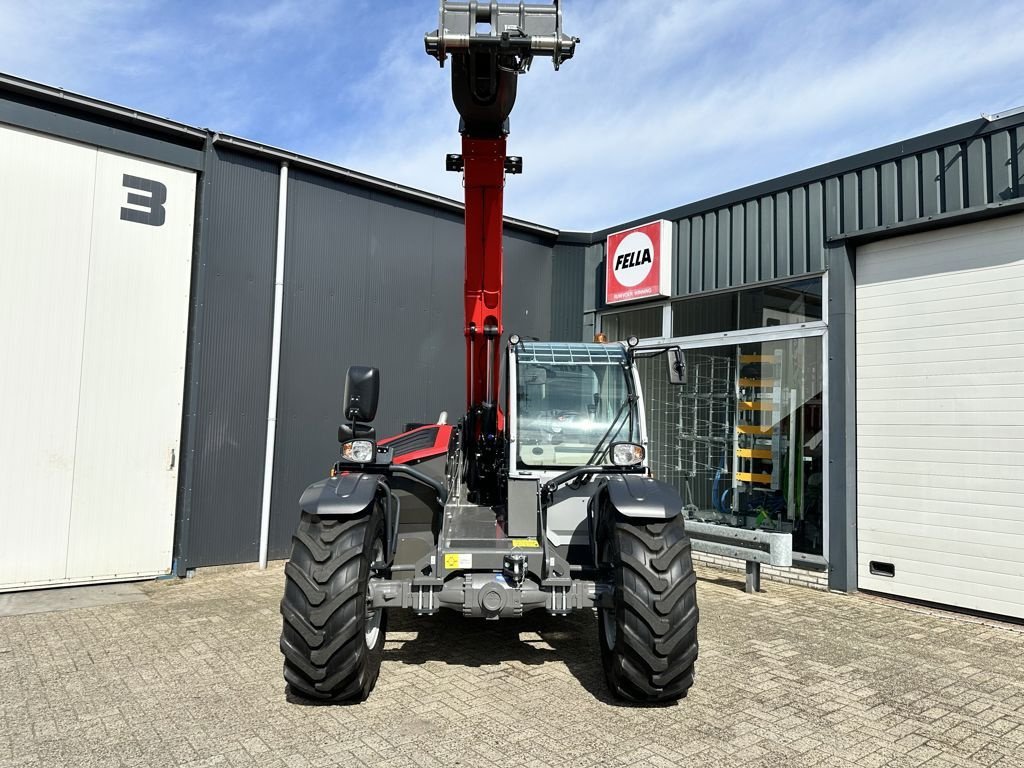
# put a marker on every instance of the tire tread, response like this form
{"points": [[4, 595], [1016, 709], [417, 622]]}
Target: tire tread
{"points": [[323, 609], [656, 611]]}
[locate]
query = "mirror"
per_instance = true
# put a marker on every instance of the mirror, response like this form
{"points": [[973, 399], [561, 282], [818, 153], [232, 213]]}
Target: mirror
{"points": [[676, 365], [362, 387]]}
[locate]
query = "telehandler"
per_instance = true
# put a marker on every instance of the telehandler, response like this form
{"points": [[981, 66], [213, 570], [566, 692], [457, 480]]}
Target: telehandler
{"points": [[540, 498]]}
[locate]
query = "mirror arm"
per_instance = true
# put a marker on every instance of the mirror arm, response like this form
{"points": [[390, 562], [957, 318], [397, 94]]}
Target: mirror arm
{"points": [[644, 353], [677, 362]]}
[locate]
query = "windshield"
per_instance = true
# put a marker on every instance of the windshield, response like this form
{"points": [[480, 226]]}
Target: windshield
{"points": [[564, 411]]}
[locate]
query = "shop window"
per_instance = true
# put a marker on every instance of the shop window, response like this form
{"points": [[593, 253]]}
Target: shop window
{"points": [[743, 439], [781, 304]]}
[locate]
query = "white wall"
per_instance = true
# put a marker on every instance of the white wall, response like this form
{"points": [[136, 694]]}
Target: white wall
{"points": [[94, 307], [940, 415]]}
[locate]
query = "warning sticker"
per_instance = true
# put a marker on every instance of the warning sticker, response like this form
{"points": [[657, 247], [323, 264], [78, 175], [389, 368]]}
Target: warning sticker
{"points": [[454, 562], [525, 543]]}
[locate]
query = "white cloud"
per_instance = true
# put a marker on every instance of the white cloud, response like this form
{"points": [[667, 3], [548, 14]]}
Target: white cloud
{"points": [[664, 103], [274, 17], [710, 97], [65, 38]]}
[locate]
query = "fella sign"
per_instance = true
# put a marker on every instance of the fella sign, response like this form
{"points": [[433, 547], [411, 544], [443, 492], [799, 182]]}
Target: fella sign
{"points": [[639, 263]]}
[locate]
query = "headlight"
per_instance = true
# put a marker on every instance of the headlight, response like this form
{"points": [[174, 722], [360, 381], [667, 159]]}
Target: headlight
{"points": [[358, 451], [627, 454]]}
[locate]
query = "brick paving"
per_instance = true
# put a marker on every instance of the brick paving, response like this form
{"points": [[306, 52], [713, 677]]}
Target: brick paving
{"points": [[790, 677]]}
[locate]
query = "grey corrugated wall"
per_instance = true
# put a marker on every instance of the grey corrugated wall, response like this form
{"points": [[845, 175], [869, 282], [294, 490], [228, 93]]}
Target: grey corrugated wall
{"points": [[567, 266], [779, 235], [239, 230], [528, 287], [778, 229], [373, 279], [783, 234]]}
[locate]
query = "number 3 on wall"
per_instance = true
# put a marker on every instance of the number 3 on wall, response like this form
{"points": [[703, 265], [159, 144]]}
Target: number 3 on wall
{"points": [[155, 214]]}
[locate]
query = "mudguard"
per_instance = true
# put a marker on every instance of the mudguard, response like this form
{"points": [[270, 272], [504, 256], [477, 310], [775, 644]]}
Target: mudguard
{"points": [[643, 497], [346, 495]]}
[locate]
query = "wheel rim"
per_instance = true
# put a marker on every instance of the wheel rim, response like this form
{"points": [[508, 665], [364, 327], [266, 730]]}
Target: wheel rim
{"points": [[373, 616]]}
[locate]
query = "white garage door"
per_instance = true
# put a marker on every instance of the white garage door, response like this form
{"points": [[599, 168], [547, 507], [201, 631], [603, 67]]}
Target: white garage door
{"points": [[940, 416], [95, 253]]}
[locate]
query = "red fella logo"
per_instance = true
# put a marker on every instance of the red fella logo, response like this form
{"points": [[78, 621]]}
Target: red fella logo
{"points": [[638, 262]]}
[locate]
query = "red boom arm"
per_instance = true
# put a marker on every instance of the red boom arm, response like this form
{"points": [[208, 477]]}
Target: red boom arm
{"points": [[485, 183], [490, 45]]}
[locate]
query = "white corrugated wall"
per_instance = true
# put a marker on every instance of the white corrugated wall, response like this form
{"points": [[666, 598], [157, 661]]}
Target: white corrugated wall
{"points": [[940, 416], [94, 311]]}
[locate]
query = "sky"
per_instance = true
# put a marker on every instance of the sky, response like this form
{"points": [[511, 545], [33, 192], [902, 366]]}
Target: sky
{"points": [[666, 101]]}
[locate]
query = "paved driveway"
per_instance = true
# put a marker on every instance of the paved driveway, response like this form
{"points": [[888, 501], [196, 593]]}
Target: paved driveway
{"points": [[792, 677]]}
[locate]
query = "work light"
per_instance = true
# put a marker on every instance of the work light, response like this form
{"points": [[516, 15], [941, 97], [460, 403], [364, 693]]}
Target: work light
{"points": [[627, 454], [358, 451]]}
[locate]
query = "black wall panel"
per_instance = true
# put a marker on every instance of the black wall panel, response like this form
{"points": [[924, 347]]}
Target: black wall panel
{"points": [[239, 231], [567, 271], [528, 284]]}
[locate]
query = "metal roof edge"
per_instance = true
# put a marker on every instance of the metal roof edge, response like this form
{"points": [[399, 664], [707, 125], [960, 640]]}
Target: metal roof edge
{"points": [[575, 238], [944, 136], [367, 181], [197, 135], [55, 94], [964, 131]]}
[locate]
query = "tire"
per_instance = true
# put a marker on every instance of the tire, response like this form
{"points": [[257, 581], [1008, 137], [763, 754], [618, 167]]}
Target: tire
{"points": [[332, 644], [649, 639]]}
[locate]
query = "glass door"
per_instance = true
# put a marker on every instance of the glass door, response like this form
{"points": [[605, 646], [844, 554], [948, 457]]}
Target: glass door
{"points": [[744, 439]]}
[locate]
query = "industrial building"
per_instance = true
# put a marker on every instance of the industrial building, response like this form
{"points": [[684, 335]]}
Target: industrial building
{"points": [[178, 328]]}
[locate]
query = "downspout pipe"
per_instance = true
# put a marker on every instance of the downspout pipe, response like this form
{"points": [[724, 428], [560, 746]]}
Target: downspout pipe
{"points": [[275, 365]]}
